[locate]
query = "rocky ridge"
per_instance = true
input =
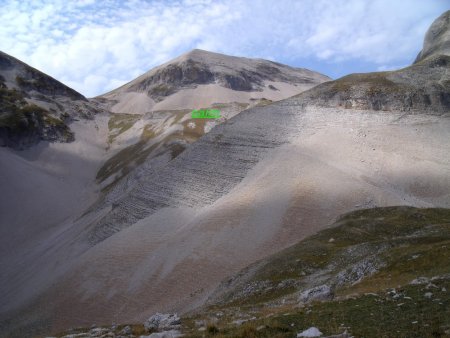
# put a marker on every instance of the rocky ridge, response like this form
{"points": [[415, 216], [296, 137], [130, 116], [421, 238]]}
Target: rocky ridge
{"points": [[199, 67], [422, 87], [437, 38], [35, 107]]}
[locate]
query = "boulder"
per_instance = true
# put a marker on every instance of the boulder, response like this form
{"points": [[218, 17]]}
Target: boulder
{"points": [[162, 321], [311, 332]]}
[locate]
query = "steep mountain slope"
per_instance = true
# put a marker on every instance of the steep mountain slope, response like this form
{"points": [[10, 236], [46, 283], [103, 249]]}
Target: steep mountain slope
{"points": [[257, 183], [52, 142], [380, 272], [437, 39], [164, 98], [35, 107]]}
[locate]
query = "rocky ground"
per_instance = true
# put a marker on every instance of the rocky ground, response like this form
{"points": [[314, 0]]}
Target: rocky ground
{"points": [[374, 273]]}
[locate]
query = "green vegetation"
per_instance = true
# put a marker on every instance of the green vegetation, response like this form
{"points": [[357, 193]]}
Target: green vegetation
{"points": [[393, 235], [263, 102], [128, 158], [37, 82], [120, 123], [161, 90], [10, 100], [382, 314], [407, 297], [205, 114], [20, 118], [404, 243]]}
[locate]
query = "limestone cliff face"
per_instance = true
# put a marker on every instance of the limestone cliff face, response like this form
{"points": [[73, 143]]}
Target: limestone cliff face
{"points": [[437, 38], [422, 87]]}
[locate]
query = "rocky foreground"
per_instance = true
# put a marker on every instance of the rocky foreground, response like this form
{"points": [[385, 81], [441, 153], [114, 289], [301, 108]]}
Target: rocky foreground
{"points": [[374, 273]]}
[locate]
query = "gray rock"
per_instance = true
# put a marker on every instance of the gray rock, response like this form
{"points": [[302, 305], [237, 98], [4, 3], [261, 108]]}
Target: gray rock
{"points": [[322, 292], [126, 330], [162, 321], [97, 332], [437, 38], [165, 334], [311, 332], [54, 104], [420, 280]]}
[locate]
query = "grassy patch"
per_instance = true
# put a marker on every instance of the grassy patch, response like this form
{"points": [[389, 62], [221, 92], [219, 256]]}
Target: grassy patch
{"points": [[120, 123], [263, 102], [22, 120], [409, 242]]}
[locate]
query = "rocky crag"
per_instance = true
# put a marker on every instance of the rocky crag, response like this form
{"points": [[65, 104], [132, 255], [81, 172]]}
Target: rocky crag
{"points": [[35, 107]]}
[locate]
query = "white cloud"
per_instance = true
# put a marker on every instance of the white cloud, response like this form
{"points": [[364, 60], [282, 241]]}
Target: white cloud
{"points": [[94, 46]]}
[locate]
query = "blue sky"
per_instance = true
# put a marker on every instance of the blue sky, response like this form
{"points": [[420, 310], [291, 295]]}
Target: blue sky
{"points": [[95, 46]]}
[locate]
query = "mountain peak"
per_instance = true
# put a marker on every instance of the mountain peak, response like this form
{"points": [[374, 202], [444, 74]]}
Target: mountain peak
{"points": [[437, 38], [219, 78]]}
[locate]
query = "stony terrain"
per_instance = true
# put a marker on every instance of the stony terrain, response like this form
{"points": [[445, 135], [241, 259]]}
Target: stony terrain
{"points": [[151, 120], [379, 272], [259, 182]]}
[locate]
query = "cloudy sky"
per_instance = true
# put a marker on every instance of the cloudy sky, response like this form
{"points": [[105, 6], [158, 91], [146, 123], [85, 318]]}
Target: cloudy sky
{"points": [[95, 46]]}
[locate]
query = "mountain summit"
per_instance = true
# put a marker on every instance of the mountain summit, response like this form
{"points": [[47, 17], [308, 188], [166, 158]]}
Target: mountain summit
{"points": [[200, 78]]}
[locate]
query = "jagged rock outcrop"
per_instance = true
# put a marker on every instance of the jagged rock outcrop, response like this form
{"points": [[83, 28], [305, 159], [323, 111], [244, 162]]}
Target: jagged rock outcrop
{"points": [[162, 321], [437, 38], [423, 86]]}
